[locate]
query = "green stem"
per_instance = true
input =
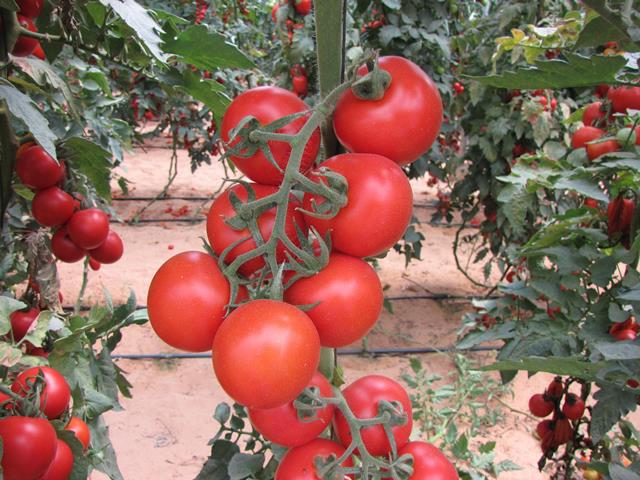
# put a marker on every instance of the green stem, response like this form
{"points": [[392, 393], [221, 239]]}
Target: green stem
{"points": [[40, 36], [83, 287], [8, 149]]}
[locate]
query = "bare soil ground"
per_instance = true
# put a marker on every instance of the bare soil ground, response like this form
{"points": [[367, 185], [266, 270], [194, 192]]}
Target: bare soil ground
{"points": [[164, 429]]}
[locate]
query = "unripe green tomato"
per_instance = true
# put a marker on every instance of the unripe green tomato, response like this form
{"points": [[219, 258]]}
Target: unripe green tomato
{"points": [[626, 137], [440, 70]]}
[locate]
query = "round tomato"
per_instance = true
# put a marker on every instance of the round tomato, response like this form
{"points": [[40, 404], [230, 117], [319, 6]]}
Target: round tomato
{"points": [[303, 7], [22, 321], [28, 447], [25, 45], [378, 190], [56, 394], [282, 425], [186, 301], [221, 235], [268, 104], [37, 169], [429, 463], [300, 85], [595, 150], [65, 249], [350, 296], [540, 406], [593, 114], [624, 98], [584, 135], [52, 207], [30, 8], [573, 407], [62, 464], [402, 125], [625, 335], [620, 215], [81, 430], [363, 397], [265, 353], [111, 249], [88, 228], [299, 463]]}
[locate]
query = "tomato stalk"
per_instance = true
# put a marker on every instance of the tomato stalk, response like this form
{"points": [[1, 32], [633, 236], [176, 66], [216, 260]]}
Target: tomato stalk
{"points": [[12, 29]]}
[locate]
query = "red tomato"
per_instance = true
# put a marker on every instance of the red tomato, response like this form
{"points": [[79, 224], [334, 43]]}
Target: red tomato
{"points": [[37, 169], [81, 429], [28, 447], [584, 135], [595, 150], [573, 407], [540, 406], [22, 321], [402, 125], [623, 98], [221, 235], [543, 429], [299, 462], [303, 7], [39, 52], [25, 45], [274, 12], [62, 464], [429, 463], [187, 300], [625, 335], [363, 397], [619, 215], [265, 353], [65, 249], [282, 425], [110, 251], [300, 85], [593, 114], [30, 8], [52, 207], [350, 296], [94, 264], [88, 228], [555, 390], [268, 104], [377, 187], [56, 394]]}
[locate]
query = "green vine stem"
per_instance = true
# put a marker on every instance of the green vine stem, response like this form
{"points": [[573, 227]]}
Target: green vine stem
{"points": [[8, 149], [83, 287]]}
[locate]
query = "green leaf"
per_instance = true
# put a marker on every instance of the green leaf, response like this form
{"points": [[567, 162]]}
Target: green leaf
{"points": [[598, 32], [619, 472], [222, 413], [619, 351], [209, 92], [612, 404], [9, 5], [576, 71], [8, 305], [206, 50], [91, 160], [515, 204], [243, 465], [616, 19], [574, 366], [23, 107], [584, 186], [106, 461], [216, 465], [9, 355]]}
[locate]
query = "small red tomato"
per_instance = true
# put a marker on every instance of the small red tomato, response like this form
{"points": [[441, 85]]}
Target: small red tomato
{"points": [[593, 114], [81, 430], [303, 7], [619, 216], [555, 390], [573, 407], [591, 203], [25, 45], [65, 249], [37, 169], [300, 85], [110, 251], [543, 101], [62, 464], [624, 98], [52, 207], [584, 135], [596, 150], [625, 335], [88, 228], [544, 428], [429, 463], [94, 264], [540, 406], [299, 463], [56, 394], [22, 321]]}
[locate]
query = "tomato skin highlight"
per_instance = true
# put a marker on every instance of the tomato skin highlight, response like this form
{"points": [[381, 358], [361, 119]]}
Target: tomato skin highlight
{"points": [[110, 251], [350, 296], [88, 228], [268, 104], [221, 235], [64, 248], [62, 464], [37, 169], [584, 135], [186, 301], [55, 395], [81, 430], [378, 187], [21, 321], [362, 397], [29, 446], [52, 207], [281, 425], [265, 353], [400, 126], [429, 463], [299, 462]]}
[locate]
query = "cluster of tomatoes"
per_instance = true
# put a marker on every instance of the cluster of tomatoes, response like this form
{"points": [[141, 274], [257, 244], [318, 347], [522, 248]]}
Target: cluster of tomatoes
{"points": [[29, 420], [300, 7], [28, 11], [558, 430], [265, 352], [80, 232], [378, 20], [201, 11]]}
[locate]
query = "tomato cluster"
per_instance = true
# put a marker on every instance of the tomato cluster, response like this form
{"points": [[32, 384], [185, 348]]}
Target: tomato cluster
{"points": [[301, 8], [31, 449], [28, 11], [80, 232]]}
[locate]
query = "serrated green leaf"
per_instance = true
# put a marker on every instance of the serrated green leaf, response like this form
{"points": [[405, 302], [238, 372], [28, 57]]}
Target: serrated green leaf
{"points": [[598, 32], [574, 366], [612, 404], [243, 465], [619, 351], [92, 160], [209, 92]]}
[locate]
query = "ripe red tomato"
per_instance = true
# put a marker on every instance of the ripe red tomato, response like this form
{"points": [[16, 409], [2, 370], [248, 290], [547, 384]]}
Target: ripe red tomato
{"points": [[299, 462], [110, 251], [37, 169], [274, 12], [64, 248], [594, 115], [540, 406], [187, 300], [429, 463], [350, 296], [25, 45], [282, 425], [584, 135], [303, 7], [56, 394], [573, 407], [555, 390], [39, 52], [30, 8], [81, 429], [363, 397], [62, 464], [52, 207], [28, 447], [544, 428], [22, 321], [402, 125], [221, 235], [300, 85], [268, 104], [619, 215], [265, 353], [625, 335], [94, 264], [623, 98], [88, 228], [377, 187], [562, 432], [595, 150]]}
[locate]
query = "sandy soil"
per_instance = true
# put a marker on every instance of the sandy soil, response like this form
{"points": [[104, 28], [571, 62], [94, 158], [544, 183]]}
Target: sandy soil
{"points": [[164, 429]]}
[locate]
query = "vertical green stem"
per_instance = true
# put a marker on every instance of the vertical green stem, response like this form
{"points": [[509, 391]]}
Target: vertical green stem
{"points": [[85, 281], [8, 149]]}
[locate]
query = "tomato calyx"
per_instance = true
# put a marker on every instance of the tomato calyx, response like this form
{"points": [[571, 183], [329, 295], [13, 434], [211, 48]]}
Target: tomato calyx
{"points": [[374, 84]]}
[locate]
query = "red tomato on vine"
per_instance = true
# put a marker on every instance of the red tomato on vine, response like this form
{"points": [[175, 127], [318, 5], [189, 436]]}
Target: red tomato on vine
{"points": [[55, 395], [52, 207], [28, 447], [429, 463], [62, 464], [299, 462], [37, 169]]}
